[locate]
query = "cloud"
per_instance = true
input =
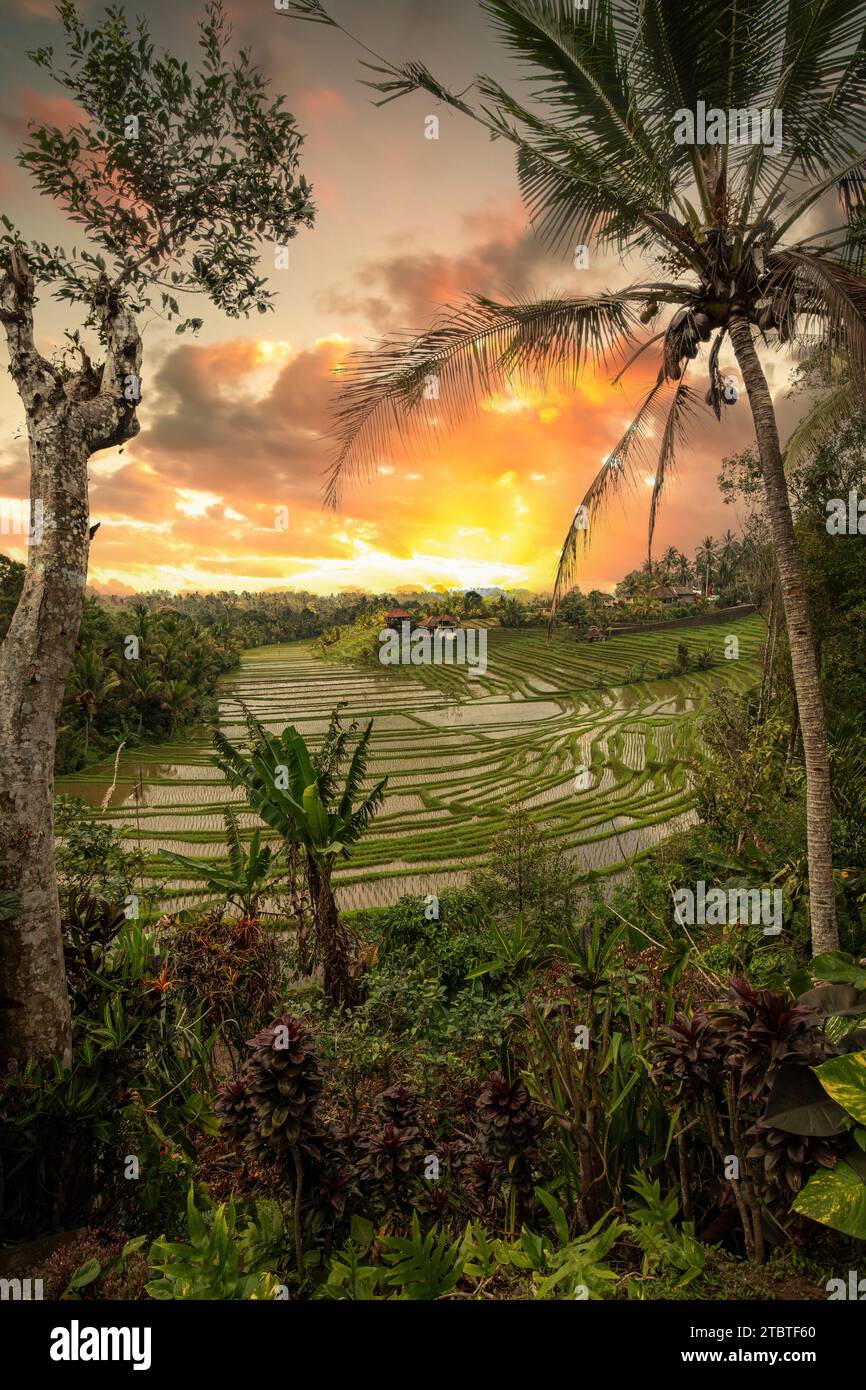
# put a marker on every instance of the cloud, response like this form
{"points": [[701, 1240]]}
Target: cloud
{"points": [[406, 289], [39, 108]]}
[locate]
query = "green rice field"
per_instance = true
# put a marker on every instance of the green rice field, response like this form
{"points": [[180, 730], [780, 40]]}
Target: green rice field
{"points": [[459, 750]]}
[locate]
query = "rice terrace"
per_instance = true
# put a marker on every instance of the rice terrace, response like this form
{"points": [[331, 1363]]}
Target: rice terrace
{"points": [[459, 750]]}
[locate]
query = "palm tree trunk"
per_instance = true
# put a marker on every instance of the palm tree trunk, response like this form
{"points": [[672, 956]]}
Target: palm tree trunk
{"points": [[807, 685]]}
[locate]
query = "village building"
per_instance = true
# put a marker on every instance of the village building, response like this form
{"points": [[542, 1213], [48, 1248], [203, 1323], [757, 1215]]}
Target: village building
{"points": [[669, 594], [395, 617], [444, 620]]}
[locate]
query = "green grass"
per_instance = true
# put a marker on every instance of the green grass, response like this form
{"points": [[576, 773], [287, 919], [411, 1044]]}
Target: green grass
{"points": [[459, 751]]}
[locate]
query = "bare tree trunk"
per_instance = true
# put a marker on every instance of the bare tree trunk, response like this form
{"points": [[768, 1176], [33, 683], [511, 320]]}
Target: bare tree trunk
{"points": [[69, 416], [807, 685]]}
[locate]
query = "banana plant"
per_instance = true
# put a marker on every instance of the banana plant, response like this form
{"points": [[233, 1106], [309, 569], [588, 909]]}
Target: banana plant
{"points": [[309, 805], [242, 880]]}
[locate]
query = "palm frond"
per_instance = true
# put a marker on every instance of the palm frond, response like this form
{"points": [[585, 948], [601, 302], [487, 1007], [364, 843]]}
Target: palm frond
{"points": [[476, 349], [357, 772], [820, 425], [684, 403], [578, 71], [311, 10], [830, 293], [233, 844], [615, 475]]}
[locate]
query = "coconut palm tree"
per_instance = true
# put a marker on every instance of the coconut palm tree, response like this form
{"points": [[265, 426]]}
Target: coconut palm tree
{"points": [[728, 557], [605, 154], [144, 687], [683, 572], [91, 681], [705, 559], [178, 699], [668, 562]]}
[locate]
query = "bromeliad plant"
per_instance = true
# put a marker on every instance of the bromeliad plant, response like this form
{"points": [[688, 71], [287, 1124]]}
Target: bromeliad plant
{"points": [[304, 799], [272, 1105]]}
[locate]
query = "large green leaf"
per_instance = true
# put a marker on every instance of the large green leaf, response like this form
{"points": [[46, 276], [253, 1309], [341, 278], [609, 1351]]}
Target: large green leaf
{"points": [[844, 1078], [317, 816], [838, 968], [836, 1198]]}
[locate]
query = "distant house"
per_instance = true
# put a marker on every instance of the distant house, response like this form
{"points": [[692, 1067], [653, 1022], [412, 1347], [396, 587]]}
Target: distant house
{"points": [[396, 617], [669, 594], [444, 620]]}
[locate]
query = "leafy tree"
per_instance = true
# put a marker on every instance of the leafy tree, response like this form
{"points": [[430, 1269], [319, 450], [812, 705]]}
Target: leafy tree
{"points": [[575, 609], [528, 878], [511, 613], [174, 178], [729, 227]]}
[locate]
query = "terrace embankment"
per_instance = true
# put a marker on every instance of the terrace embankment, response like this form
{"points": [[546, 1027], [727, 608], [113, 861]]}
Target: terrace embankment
{"points": [[459, 750]]}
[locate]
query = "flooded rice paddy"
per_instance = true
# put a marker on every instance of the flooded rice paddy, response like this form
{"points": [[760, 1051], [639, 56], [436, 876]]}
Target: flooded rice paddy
{"points": [[458, 754]]}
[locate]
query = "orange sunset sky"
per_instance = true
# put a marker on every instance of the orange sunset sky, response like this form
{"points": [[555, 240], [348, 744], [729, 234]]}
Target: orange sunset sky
{"points": [[235, 421]]}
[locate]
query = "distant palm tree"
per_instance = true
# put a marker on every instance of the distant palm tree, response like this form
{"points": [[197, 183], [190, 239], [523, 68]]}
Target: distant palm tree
{"points": [[728, 557], [668, 562], [91, 681], [683, 572], [705, 559], [178, 698], [511, 613], [144, 687], [728, 227]]}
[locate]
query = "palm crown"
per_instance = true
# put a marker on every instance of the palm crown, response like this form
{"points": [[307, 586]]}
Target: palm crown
{"points": [[598, 160]]}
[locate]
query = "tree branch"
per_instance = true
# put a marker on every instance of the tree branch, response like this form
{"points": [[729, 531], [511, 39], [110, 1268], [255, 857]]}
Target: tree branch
{"points": [[36, 379], [110, 417]]}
